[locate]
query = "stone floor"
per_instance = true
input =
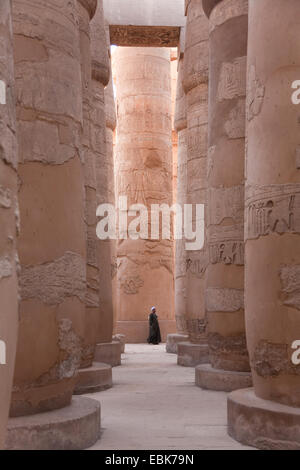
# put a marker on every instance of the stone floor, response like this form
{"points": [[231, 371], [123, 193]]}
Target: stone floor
{"points": [[154, 404]]}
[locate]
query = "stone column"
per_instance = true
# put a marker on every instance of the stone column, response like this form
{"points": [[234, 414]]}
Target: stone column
{"points": [[52, 243], [111, 123], [174, 74], [93, 376], [107, 351], [268, 416], [195, 85], [8, 218], [144, 175], [180, 124], [88, 157], [228, 24]]}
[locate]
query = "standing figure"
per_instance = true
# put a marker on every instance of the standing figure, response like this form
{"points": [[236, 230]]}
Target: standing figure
{"points": [[154, 330]]}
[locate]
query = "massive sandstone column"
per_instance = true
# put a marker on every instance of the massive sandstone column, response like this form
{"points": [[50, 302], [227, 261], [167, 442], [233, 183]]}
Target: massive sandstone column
{"points": [[89, 158], [196, 88], [107, 351], [174, 74], [8, 218], [225, 169], [268, 416], [52, 243], [110, 123], [93, 377], [144, 175], [180, 124]]}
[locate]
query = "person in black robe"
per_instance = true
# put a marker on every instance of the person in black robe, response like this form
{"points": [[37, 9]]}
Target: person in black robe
{"points": [[154, 330]]}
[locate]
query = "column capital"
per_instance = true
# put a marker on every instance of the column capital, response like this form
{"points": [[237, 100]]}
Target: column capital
{"points": [[100, 72], [209, 5], [186, 6], [90, 6]]}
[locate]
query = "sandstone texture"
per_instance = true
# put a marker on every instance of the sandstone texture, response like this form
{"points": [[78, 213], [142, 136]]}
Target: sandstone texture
{"points": [[228, 25], [9, 216]]}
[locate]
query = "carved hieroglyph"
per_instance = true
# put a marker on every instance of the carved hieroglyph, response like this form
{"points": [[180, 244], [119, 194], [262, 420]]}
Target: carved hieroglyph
{"points": [[144, 172], [290, 280], [232, 81], [142, 36], [8, 216], [272, 209]]}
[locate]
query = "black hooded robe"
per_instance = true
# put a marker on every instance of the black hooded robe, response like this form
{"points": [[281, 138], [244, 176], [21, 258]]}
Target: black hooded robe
{"points": [[154, 330]]}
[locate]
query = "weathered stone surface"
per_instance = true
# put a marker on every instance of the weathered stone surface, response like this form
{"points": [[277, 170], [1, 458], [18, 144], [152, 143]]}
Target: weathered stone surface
{"points": [[263, 423], [226, 245], [192, 354], [224, 300], [196, 47], [232, 81], [226, 203], [122, 340], [52, 282], [225, 174], [100, 47], [54, 388], [272, 232], [109, 353], [211, 378], [144, 172], [142, 36], [95, 378], [8, 220], [228, 352], [290, 280], [172, 342], [272, 209], [90, 6], [272, 360], [75, 427]]}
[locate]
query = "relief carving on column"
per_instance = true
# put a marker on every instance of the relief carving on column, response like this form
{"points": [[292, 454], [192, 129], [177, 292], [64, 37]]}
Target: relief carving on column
{"points": [[272, 360], [232, 81], [272, 209], [141, 36], [290, 282]]}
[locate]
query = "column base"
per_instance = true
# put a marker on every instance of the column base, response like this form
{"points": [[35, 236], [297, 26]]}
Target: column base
{"points": [[262, 423], [121, 339], [108, 353], [173, 340], [221, 380], [93, 379], [36, 400], [191, 355], [75, 427]]}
